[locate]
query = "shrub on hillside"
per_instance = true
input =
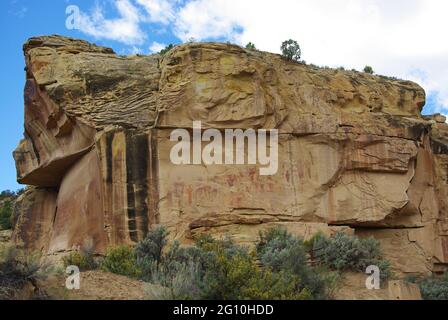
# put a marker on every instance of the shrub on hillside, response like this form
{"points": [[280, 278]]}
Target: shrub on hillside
{"points": [[18, 269], [212, 269], [177, 270], [291, 50], [84, 261], [434, 288], [281, 251], [152, 258], [345, 252], [179, 283], [368, 69], [121, 260], [84, 258], [174, 270], [236, 276], [281, 266], [231, 272], [251, 46], [166, 49], [152, 246]]}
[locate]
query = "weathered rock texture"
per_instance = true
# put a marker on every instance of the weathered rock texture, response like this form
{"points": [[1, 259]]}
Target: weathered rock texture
{"points": [[355, 154], [353, 287]]}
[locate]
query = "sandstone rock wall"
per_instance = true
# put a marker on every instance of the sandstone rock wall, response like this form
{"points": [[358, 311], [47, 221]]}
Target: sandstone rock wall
{"points": [[355, 154]]}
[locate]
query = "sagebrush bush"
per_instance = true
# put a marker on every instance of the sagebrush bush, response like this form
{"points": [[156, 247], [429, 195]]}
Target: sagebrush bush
{"points": [[19, 268], [232, 272], [83, 260], [212, 269], [281, 251], [226, 272], [152, 246], [281, 266], [179, 282], [344, 252], [268, 285], [176, 271], [121, 260], [153, 259], [434, 288]]}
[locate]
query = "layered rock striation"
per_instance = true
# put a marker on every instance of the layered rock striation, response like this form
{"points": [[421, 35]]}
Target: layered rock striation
{"points": [[355, 153]]}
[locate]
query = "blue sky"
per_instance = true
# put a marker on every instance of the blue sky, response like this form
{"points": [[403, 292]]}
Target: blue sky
{"points": [[398, 38]]}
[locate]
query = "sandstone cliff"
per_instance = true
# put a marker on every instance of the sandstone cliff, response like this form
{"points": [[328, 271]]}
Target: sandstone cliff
{"points": [[355, 154]]}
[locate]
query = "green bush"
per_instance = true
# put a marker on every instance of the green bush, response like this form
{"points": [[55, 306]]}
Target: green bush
{"points": [[153, 261], [231, 272], [6, 215], [345, 252], [121, 260], [176, 283], [152, 246], [434, 288], [281, 251], [368, 69], [83, 260], [281, 267], [226, 271], [212, 269], [291, 50], [269, 285], [251, 46], [178, 271], [166, 49]]}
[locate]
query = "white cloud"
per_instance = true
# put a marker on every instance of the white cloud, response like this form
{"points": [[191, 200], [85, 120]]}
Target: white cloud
{"points": [[161, 11], [125, 29], [202, 19], [156, 47]]}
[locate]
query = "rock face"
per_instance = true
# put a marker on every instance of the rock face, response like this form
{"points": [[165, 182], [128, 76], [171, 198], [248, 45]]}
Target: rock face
{"points": [[355, 154], [353, 287]]}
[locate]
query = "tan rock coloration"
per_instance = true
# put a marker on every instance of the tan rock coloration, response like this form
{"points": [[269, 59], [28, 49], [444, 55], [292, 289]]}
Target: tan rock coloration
{"points": [[355, 154], [353, 287]]}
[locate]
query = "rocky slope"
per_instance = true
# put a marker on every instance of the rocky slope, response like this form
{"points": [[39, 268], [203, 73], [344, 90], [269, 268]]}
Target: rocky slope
{"points": [[355, 154]]}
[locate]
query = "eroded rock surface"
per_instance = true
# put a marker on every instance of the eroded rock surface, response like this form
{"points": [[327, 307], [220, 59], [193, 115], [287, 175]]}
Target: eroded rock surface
{"points": [[355, 154]]}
